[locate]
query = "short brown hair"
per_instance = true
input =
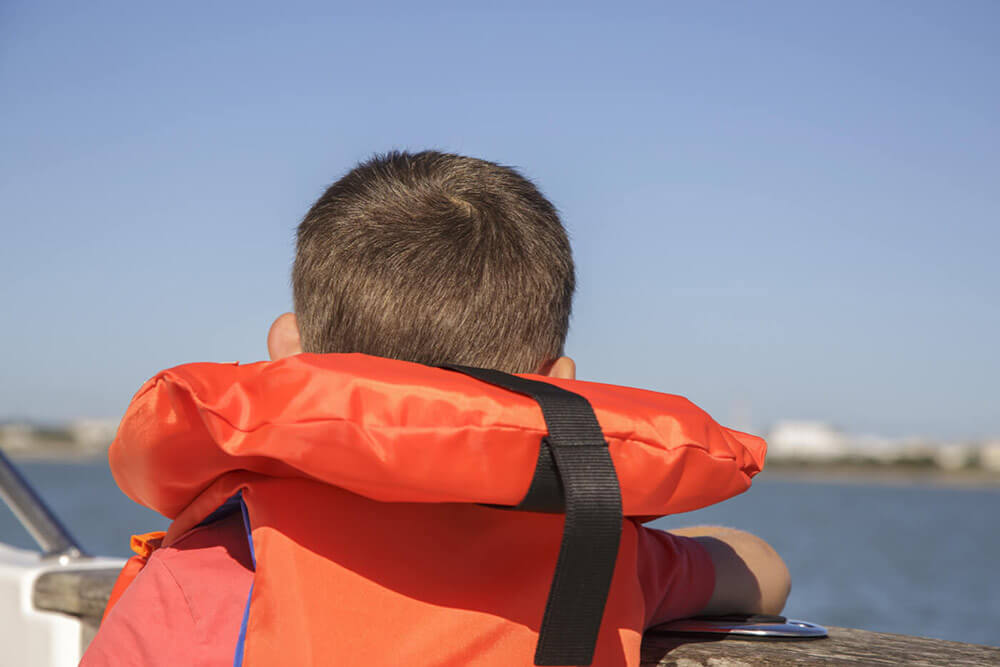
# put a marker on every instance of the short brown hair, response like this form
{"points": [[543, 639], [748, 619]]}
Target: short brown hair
{"points": [[434, 258]]}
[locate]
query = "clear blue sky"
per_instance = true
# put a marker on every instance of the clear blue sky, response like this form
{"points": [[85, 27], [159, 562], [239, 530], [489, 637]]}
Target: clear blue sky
{"points": [[778, 209]]}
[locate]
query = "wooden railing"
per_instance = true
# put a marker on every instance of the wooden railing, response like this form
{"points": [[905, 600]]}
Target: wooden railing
{"points": [[84, 593], [844, 646]]}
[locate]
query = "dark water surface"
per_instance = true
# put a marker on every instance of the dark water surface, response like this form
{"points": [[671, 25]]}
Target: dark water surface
{"points": [[909, 559]]}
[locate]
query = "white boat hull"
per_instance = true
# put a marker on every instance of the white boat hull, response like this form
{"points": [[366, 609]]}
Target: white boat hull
{"points": [[34, 638]]}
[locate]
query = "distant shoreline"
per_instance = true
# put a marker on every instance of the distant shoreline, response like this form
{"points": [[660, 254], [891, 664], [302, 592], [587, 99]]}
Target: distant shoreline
{"points": [[56, 455], [882, 474], [797, 471]]}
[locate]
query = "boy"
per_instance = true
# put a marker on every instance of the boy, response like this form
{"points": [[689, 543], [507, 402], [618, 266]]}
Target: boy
{"points": [[429, 258]]}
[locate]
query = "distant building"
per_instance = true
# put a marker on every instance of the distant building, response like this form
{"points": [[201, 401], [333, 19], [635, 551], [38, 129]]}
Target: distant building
{"points": [[806, 440], [873, 448], [80, 438], [955, 456], [92, 434], [989, 455], [17, 437]]}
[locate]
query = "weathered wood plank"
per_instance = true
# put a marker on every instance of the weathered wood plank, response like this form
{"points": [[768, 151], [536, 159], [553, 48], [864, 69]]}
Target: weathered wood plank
{"points": [[84, 593], [845, 646], [81, 593]]}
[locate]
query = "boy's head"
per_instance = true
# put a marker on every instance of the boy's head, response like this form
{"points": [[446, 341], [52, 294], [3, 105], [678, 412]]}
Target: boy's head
{"points": [[433, 258]]}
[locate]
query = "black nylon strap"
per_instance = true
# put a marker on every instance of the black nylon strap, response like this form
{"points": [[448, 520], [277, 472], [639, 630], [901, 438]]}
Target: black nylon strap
{"points": [[546, 491], [592, 530]]}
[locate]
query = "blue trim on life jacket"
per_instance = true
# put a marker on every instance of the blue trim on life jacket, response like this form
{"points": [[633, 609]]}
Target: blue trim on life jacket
{"points": [[225, 509], [241, 642], [246, 526]]}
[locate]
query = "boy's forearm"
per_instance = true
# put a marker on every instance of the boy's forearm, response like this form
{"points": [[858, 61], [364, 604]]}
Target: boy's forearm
{"points": [[750, 576]]}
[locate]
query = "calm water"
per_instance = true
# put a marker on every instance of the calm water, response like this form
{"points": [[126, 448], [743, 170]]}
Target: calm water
{"points": [[913, 560]]}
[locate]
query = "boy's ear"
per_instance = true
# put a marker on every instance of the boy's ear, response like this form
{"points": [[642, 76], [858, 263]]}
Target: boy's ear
{"points": [[283, 338], [562, 368]]}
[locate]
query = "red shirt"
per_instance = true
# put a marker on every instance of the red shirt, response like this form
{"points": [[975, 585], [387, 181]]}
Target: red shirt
{"points": [[186, 606]]}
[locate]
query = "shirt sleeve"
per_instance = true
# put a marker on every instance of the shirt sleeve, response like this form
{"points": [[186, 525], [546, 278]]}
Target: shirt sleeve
{"points": [[147, 627], [185, 606], [676, 575]]}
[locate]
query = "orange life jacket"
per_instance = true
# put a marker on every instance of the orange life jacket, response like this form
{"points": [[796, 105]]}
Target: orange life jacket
{"points": [[292, 436]]}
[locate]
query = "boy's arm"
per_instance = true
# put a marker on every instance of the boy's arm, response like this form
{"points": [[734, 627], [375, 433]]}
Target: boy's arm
{"points": [[750, 576]]}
